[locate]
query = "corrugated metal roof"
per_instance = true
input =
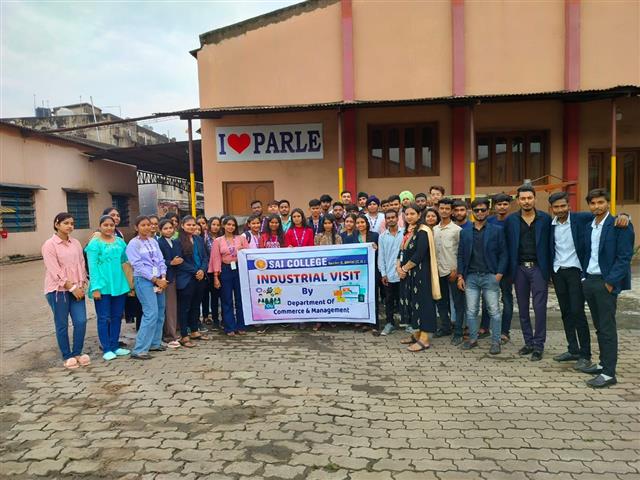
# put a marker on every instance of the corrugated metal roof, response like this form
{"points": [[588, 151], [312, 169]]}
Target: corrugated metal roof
{"points": [[569, 96]]}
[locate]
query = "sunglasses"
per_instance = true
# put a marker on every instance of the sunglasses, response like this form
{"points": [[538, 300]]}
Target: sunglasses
{"points": [[480, 210]]}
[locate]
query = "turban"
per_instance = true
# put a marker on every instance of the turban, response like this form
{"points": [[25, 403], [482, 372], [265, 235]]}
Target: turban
{"points": [[406, 195]]}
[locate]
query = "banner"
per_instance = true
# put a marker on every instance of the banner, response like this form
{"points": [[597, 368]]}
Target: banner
{"points": [[308, 284], [302, 141]]}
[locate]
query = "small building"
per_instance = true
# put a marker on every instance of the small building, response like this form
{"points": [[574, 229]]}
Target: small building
{"points": [[43, 174], [388, 96]]}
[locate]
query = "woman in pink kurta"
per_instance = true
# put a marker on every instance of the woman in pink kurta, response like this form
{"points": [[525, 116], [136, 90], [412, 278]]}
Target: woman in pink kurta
{"points": [[65, 281]]}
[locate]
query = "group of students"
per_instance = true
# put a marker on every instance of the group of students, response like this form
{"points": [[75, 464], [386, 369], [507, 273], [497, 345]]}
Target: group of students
{"points": [[436, 266]]}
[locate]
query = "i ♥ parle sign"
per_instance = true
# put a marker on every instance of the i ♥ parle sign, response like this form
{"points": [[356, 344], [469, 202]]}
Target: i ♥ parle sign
{"points": [[302, 141]]}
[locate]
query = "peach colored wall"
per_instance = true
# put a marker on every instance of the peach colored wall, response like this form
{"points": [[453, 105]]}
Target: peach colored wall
{"points": [[402, 49], [381, 116], [296, 180], [298, 60], [595, 132], [610, 43], [514, 46], [34, 160]]}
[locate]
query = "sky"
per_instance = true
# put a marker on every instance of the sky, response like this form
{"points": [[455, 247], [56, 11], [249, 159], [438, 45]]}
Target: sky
{"points": [[131, 57]]}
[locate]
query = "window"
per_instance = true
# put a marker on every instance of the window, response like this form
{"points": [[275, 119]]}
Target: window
{"points": [[627, 172], [78, 206], [121, 203], [509, 158], [403, 150], [20, 209]]}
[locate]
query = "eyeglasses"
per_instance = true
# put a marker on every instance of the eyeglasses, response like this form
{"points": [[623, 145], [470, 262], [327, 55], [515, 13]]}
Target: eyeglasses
{"points": [[480, 210]]}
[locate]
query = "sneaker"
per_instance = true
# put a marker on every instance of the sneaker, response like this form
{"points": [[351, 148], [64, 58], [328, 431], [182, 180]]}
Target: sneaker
{"points": [[456, 340], [121, 352], [495, 349], [468, 345], [159, 348], [410, 330], [536, 356], [387, 330], [109, 356]]}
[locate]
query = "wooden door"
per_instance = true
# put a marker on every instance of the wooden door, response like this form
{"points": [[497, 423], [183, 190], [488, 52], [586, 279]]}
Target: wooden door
{"points": [[239, 195]]}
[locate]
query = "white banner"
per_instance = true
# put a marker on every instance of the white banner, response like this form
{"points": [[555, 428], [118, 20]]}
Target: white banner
{"points": [[269, 142], [308, 284]]}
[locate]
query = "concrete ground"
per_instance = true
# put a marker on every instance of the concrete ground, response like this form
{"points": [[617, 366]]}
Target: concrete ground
{"points": [[333, 404]]}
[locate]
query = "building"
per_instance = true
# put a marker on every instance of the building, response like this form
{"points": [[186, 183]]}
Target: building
{"points": [[160, 199], [82, 114], [43, 174], [389, 96]]}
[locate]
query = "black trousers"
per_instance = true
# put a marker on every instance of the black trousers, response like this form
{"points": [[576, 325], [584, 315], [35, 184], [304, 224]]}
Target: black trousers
{"points": [[602, 305], [568, 285], [392, 303], [189, 299], [444, 307]]}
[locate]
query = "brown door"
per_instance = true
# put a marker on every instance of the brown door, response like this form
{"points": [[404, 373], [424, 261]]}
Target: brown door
{"points": [[239, 195]]}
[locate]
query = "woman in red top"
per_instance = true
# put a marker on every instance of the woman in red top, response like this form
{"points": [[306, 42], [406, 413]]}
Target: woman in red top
{"points": [[299, 235], [272, 235]]}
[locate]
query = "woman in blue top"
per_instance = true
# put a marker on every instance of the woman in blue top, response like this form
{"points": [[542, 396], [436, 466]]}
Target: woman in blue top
{"points": [[108, 285], [149, 272], [171, 253], [191, 280]]}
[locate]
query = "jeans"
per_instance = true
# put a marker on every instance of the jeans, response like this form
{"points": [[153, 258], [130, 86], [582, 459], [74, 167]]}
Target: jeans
{"points": [[62, 305], [568, 285], [109, 311], [602, 305], [150, 332], [230, 295], [529, 282], [458, 301], [189, 300], [506, 288], [392, 303], [484, 284]]}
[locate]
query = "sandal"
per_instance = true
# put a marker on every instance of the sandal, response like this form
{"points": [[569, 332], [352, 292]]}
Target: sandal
{"points": [[421, 346], [262, 330], [173, 344], [83, 360], [71, 363], [242, 332], [409, 340], [198, 336], [186, 342], [317, 327], [231, 334]]}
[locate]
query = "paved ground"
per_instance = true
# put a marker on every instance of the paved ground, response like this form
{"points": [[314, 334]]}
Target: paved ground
{"points": [[304, 405]]}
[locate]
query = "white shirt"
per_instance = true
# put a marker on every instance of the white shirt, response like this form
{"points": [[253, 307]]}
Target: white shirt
{"points": [[596, 231], [446, 238], [565, 249], [376, 224]]}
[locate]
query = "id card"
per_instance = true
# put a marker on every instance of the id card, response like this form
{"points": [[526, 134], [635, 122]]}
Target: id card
{"points": [[154, 272], [234, 266]]}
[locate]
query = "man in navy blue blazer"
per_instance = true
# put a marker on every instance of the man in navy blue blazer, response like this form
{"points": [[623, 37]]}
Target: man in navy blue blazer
{"points": [[481, 265], [527, 235], [606, 261]]}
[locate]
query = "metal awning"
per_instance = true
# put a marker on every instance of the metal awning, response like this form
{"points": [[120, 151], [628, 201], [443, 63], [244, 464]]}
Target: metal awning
{"points": [[171, 159]]}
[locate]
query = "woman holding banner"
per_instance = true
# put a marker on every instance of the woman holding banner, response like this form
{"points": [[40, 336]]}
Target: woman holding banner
{"points": [[419, 280], [224, 266]]}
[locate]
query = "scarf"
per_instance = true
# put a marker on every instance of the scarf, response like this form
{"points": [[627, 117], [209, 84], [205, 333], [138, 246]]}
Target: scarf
{"points": [[433, 264]]}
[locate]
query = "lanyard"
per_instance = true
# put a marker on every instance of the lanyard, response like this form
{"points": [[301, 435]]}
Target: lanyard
{"points": [[149, 249], [254, 239], [298, 241], [231, 246], [373, 224], [316, 227]]}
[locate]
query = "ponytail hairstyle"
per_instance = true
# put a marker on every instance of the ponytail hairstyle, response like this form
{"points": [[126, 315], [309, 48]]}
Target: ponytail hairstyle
{"points": [[184, 237]]}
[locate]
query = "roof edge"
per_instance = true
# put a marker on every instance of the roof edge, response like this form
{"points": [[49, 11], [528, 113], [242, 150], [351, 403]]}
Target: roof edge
{"points": [[276, 16]]}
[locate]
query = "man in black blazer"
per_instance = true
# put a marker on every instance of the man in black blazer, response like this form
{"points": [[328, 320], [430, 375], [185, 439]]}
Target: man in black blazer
{"points": [[606, 261]]}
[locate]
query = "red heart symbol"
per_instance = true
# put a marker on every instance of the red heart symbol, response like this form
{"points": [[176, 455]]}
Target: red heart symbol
{"points": [[239, 142]]}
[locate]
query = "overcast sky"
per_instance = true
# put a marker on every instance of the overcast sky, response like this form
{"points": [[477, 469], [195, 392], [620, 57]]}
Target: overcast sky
{"points": [[132, 57]]}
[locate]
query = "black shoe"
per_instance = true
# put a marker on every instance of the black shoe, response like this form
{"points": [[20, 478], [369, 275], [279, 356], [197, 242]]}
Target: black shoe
{"points": [[495, 349], [122, 345], [468, 345], [526, 350], [536, 356], [593, 369], [142, 356], [582, 363], [441, 333], [484, 334], [600, 382], [161, 348], [566, 357], [456, 340]]}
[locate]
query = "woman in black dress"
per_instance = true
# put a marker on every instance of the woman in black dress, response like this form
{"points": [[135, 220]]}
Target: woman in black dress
{"points": [[416, 267]]}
